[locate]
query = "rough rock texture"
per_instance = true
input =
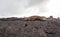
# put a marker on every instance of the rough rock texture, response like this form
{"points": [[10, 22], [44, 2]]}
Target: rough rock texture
{"points": [[17, 28]]}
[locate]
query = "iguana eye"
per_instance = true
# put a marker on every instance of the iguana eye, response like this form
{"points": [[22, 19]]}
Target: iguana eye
{"points": [[25, 25]]}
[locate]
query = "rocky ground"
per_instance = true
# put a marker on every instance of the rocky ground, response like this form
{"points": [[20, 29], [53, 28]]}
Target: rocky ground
{"points": [[19, 28]]}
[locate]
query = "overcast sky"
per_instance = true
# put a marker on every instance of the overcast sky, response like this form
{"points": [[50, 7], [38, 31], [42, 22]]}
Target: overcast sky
{"points": [[21, 8]]}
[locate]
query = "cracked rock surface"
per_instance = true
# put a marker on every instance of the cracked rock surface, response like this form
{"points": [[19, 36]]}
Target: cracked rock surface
{"points": [[48, 28]]}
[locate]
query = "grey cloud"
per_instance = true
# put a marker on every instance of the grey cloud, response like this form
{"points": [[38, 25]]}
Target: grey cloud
{"points": [[17, 7], [35, 2]]}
